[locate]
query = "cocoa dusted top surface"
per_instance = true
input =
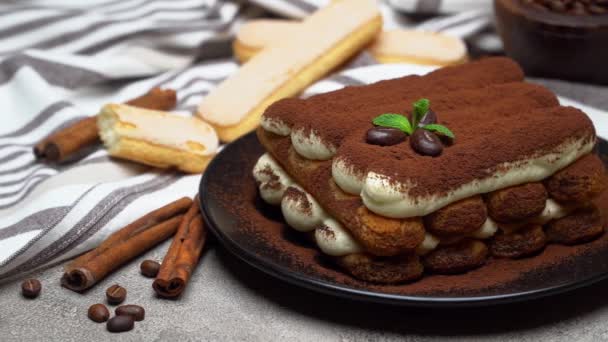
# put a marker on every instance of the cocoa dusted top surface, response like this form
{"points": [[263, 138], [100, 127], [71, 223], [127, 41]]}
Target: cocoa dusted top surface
{"points": [[335, 114], [495, 116], [485, 140]]}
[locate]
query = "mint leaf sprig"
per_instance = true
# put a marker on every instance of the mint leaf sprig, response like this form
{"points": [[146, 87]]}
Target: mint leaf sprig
{"points": [[441, 129], [421, 107], [401, 122], [397, 121]]}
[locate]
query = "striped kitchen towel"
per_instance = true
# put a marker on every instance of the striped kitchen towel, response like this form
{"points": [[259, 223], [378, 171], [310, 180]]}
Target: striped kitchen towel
{"points": [[62, 60]]}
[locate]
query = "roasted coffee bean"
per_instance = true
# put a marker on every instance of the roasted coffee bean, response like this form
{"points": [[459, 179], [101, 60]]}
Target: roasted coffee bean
{"points": [[116, 294], [578, 9], [137, 312], [120, 323], [30, 288], [597, 9], [149, 268], [429, 118], [557, 6], [574, 7], [385, 136], [426, 143], [98, 313]]}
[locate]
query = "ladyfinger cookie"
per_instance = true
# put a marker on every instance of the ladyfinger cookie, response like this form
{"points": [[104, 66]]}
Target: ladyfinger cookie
{"points": [[418, 47], [326, 39], [255, 35], [157, 138], [394, 46]]}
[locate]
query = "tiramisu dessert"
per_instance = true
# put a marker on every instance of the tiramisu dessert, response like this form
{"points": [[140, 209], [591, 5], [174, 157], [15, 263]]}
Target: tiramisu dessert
{"points": [[432, 174]]}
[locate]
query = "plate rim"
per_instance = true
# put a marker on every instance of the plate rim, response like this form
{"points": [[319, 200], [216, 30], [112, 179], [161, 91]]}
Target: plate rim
{"points": [[297, 278]]}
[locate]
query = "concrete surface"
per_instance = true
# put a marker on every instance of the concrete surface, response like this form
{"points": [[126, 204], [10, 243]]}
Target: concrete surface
{"points": [[228, 300]]}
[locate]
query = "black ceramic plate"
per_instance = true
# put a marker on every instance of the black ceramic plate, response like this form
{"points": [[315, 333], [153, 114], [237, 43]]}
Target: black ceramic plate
{"points": [[255, 232]]}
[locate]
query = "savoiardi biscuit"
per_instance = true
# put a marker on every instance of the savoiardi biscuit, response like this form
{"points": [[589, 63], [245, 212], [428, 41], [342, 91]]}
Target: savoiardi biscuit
{"points": [[391, 46], [328, 38], [157, 138]]}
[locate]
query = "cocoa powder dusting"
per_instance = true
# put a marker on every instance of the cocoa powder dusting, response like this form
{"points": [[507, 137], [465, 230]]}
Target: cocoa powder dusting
{"points": [[300, 198], [334, 114], [274, 182], [491, 128], [262, 226]]}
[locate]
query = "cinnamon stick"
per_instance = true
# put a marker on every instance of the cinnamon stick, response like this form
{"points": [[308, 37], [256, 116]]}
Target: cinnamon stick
{"points": [[124, 245], [183, 255], [156, 98], [84, 133]]}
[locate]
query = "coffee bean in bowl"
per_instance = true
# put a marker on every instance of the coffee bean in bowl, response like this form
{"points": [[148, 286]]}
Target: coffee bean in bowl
{"points": [[149, 268], [120, 323], [137, 312], [116, 294], [31, 288], [563, 39], [98, 313]]}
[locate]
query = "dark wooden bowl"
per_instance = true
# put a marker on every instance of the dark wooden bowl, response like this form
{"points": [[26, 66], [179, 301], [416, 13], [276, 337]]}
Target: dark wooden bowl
{"points": [[554, 45]]}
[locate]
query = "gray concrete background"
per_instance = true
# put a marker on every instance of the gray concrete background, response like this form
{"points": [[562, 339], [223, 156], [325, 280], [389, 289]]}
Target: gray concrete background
{"points": [[228, 300]]}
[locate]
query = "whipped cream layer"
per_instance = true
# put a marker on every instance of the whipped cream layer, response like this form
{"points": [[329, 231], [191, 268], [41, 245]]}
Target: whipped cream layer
{"points": [[301, 211], [386, 197], [272, 180], [274, 125], [309, 145]]}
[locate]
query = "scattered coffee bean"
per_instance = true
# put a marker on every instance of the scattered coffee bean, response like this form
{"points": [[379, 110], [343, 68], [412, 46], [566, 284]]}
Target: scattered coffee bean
{"points": [[30, 288], [120, 324], [426, 143], [385, 136], [149, 268], [137, 312], [98, 313], [116, 294], [429, 118]]}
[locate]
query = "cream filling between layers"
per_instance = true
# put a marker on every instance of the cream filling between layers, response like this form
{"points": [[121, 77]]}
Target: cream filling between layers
{"points": [[331, 237], [275, 126], [303, 213], [311, 146], [386, 198], [272, 180], [347, 177]]}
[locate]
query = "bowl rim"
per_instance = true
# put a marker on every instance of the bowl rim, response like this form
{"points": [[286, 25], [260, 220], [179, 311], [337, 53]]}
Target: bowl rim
{"points": [[568, 21]]}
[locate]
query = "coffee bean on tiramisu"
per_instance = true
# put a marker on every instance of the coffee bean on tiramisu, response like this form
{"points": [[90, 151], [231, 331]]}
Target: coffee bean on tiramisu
{"points": [[426, 143], [385, 136], [30, 288], [120, 324], [149, 268], [98, 313], [429, 118], [137, 312], [116, 294]]}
